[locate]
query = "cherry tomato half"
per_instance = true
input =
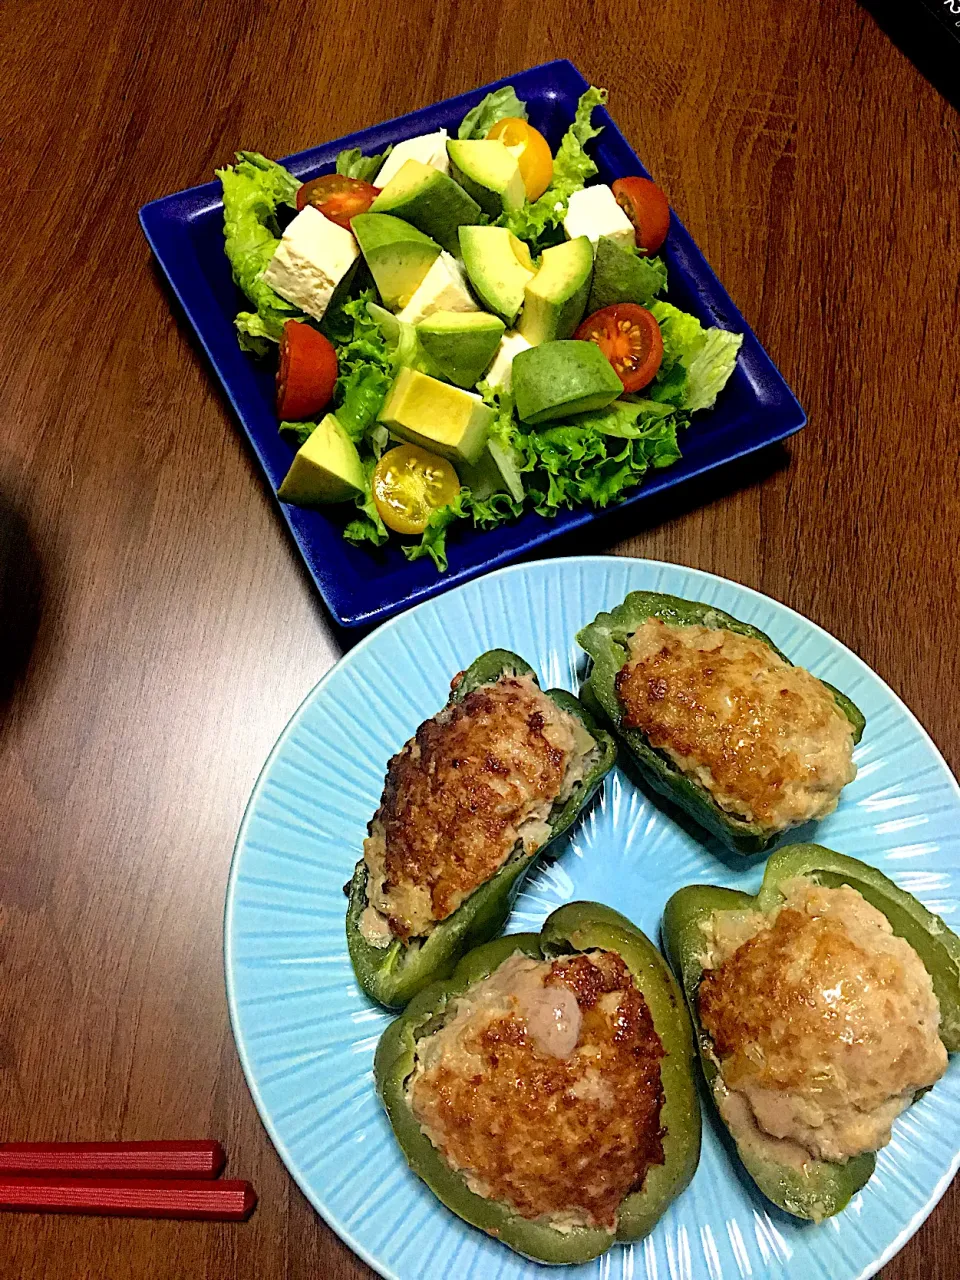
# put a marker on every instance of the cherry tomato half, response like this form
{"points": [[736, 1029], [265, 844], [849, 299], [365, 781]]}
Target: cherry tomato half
{"points": [[338, 197], [409, 484], [307, 372], [629, 336], [646, 206], [532, 151]]}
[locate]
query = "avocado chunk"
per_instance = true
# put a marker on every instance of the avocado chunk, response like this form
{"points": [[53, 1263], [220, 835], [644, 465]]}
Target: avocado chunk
{"points": [[429, 200], [557, 379], [496, 471], [488, 172], [555, 299], [623, 275], [499, 267], [444, 419], [398, 255], [460, 344], [326, 468], [443, 288]]}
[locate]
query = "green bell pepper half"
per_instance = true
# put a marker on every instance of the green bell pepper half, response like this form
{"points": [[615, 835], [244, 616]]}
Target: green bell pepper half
{"points": [[605, 640], [576, 927], [821, 1188], [394, 974]]}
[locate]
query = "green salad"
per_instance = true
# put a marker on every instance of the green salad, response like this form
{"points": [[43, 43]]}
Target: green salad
{"points": [[466, 327]]}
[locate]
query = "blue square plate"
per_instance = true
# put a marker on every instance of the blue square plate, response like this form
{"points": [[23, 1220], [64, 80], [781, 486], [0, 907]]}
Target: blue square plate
{"points": [[361, 585]]}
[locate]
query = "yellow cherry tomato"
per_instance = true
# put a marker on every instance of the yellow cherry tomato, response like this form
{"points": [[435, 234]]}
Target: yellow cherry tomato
{"points": [[532, 151], [409, 484]]}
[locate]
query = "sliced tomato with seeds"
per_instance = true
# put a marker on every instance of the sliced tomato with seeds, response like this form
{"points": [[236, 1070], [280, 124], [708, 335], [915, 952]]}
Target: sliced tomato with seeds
{"points": [[646, 206], [410, 484], [338, 197], [307, 372], [629, 336]]}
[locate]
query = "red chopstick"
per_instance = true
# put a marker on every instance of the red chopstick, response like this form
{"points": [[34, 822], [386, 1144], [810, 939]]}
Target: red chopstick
{"points": [[130, 1197], [203, 1159]]}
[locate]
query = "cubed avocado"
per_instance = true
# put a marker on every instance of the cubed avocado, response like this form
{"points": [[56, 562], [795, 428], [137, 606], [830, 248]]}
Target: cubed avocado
{"points": [[460, 344], [557, 379], [430, 200], [326, 468], [622, 275], [398, 255], [444, 419], [555, 299], [489, 172], [496, 471], [499, 267]]}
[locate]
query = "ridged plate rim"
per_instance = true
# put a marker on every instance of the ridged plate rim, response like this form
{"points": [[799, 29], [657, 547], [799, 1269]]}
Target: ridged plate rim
{"points": [[635, 569]]}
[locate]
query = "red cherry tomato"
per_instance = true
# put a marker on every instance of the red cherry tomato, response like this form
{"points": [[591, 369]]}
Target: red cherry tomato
{"points": [[338, 197], [646, 206], [629, 336], [307, 372]]}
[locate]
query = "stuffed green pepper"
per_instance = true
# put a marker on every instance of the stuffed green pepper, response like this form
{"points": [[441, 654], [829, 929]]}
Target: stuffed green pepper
{"points": [[823, 1007], [468, 805], [545, 1092], [718, 719]]}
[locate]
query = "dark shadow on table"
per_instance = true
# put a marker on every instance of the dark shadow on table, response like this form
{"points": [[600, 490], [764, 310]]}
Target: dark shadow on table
{"points": [[620, 523], [21, 602], [931, 44]]}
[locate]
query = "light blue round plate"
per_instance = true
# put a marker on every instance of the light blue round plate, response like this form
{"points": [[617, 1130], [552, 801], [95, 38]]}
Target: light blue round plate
{"points": [[306, 1035]]}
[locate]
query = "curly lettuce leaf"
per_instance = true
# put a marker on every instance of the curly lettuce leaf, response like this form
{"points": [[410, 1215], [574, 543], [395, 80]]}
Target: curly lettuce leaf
{"points": [[259, 334], [572, 167], [433, 541], [297, 434], [367, 527], [359, 395], [365, 367], [400, 339], [710, 368], [598, 457], [495, 106], [253, 190], [354, 164], [541, 223], [697, 362]]}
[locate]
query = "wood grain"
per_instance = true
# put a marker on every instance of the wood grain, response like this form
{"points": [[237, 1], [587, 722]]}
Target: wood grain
{"points": [[157, 628]]}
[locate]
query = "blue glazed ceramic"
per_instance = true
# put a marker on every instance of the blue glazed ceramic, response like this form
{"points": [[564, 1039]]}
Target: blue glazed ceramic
{"points": [[360, 585]]}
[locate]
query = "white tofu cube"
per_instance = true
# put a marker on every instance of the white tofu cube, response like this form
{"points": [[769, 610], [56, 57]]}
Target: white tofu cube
{"points": [[313, 256], [594, 212], [499, 373], [429, 148], [443, 288]]}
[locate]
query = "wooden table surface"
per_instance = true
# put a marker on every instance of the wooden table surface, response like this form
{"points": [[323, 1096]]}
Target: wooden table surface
{"points": [[157, 627]]}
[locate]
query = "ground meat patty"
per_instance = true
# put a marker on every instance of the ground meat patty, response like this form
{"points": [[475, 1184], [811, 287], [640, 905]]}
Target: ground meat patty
{"points": [[567, 1137], [766, 739], [825, 1021], [475, 779]]}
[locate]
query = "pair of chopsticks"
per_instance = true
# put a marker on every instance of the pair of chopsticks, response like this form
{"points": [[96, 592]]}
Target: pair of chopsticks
{"points": [[122, 1179]]}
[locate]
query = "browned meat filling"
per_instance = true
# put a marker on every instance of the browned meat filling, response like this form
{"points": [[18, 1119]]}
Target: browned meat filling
{"points": [[766, 739], [823, 1021], [477, 779], [544, 1089]]}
